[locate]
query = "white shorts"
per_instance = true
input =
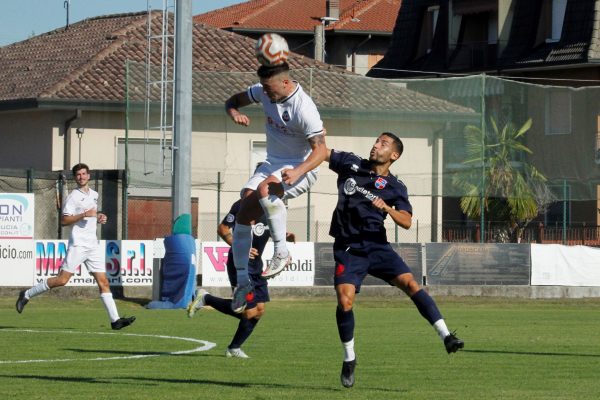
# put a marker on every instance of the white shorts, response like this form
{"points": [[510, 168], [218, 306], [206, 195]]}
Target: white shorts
{"points": [[91, 257], [289, 192]]}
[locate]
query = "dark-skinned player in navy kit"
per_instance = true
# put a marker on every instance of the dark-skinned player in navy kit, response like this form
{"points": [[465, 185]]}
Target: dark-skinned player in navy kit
{"points": [[367, 193]]}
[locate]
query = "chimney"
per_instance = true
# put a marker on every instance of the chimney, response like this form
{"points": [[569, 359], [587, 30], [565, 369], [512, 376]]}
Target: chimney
{"points": [[333, 8]]}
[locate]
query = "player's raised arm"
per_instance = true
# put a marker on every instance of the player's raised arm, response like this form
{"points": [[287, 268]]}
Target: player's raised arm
{"points": [[233, 105]]}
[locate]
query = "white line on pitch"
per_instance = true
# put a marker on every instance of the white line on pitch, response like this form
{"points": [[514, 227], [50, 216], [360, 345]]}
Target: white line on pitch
{"points": [[205, 346]]}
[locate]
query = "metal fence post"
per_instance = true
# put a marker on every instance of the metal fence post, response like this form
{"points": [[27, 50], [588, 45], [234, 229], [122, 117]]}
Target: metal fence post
{"points": [[30, 180]]}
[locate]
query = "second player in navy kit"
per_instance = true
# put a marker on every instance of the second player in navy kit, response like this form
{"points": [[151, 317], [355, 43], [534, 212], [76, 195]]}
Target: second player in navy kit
{"points": [[367, 194], [255, 300]]}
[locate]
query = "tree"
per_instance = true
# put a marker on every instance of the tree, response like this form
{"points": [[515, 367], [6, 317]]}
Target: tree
{"points": [[513, 191]]}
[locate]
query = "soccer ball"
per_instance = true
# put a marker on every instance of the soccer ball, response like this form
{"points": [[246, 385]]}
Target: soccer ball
{"points": [[271, 49]]}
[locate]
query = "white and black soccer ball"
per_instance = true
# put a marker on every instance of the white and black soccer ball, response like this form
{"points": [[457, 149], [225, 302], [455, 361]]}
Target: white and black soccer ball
{"points": [[271, 49]]}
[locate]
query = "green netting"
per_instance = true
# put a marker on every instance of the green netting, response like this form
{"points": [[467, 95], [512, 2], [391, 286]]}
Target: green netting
{"points": [[477, 148]]}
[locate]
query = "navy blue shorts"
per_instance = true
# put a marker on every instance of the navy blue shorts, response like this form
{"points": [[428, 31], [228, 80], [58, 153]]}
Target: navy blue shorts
{"points": [[261, 290], [379, 260]]}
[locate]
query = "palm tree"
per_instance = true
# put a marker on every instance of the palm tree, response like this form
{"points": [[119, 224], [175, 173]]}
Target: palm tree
{"points": [[513, 192]]}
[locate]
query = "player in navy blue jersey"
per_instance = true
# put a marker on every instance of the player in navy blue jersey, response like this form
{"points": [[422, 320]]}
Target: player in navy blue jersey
{"points": [[367, 193], [255, 307]]}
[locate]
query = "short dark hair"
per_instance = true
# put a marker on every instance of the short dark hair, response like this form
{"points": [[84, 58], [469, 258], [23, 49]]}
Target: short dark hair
{"points": [[78, 167], [265, 72], [396, 140]]}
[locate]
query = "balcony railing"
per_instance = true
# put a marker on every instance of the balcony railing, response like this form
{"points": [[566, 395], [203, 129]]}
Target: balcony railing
{"points": [[572, 235]]}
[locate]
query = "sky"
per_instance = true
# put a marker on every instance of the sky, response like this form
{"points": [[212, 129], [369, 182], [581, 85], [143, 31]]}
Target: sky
{"points": [[21, 19]]}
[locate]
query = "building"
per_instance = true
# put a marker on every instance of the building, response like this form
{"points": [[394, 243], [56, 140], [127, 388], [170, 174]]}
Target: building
{"points": [[544, 42], [91, 78], [350, 33]]}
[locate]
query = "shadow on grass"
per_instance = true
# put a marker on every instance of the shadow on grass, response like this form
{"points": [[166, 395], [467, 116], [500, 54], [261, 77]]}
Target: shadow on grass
{"points": [[140, 380], [531, 353]]}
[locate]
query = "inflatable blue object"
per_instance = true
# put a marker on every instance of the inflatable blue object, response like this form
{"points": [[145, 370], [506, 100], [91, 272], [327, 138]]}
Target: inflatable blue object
{"points": [[178, 272]]}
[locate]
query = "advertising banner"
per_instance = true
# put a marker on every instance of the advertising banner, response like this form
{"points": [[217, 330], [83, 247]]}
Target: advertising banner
{"points": [[555, 264], [16, 262], [300, 272], [17, 215], [126, 262], [49, 256], [129, 262], [478, 264]]}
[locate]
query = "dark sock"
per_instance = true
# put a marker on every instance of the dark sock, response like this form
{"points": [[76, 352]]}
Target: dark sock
{"points": [[221, 305], [426, 306], [345, 324], [244, 330]]}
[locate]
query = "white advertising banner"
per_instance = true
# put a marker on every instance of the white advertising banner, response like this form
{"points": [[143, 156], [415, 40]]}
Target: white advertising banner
{"points": [[49, 257], [300, 272], [126, 262], [17, 215], [129, 262], [558, 265], [16, 262]]}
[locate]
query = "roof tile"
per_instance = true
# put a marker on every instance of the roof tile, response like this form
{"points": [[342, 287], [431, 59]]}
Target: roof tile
{"points": [[88, 61], [303, 15]]}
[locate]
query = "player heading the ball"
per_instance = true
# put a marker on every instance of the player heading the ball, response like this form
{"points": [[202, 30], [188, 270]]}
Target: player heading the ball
{"points": [[295, 148]]}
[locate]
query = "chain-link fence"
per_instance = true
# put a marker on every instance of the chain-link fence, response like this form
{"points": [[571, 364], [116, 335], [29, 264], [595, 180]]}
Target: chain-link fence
{"points": [[485, 159], [50, 190]]}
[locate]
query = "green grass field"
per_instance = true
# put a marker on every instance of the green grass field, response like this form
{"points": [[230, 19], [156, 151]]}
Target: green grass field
{"points": [[515, 349]]}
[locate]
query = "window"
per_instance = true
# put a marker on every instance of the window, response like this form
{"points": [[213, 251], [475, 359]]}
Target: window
{"points": [[597, 157], [258, 153], [428, 26], [552, 17], [149, 167], [558, 17], [558, 112]]}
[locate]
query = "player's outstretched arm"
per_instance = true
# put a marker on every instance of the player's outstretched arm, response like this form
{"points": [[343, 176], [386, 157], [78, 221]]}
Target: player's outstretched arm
{"points": [[233, 105]]}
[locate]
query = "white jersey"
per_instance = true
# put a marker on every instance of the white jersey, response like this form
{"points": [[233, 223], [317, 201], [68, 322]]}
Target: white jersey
{"points": [[84, 230], [290, 123]]}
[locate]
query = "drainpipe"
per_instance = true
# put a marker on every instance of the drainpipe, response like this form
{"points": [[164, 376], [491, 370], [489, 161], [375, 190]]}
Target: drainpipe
{"points": [[67, 139]]}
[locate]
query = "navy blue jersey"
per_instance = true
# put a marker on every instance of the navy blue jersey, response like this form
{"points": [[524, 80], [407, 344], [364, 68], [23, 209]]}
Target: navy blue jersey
{"points": [[260, 237], [355, 220]]}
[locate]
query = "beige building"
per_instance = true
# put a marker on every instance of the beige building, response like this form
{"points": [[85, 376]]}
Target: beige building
{"points": [[79, 94]]}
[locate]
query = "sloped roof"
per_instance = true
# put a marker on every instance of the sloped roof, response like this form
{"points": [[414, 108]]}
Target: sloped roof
{"points": [[87, 63], [579, 41], [302, 15]]}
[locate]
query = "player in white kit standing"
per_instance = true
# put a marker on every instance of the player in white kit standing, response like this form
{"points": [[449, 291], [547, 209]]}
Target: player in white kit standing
{"points": [[295, 148], [81, 211]]}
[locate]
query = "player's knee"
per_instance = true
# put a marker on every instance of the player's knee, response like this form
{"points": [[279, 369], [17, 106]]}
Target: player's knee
{"points": [[345, 303], [409, 285]]}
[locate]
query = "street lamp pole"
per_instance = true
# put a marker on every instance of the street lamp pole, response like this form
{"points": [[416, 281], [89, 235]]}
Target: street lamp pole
{"points": [[80, 132]]}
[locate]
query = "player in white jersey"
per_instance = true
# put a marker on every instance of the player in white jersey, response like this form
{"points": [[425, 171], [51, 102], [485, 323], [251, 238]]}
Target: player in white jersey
{"points": [[295, 148], [81, 211]]}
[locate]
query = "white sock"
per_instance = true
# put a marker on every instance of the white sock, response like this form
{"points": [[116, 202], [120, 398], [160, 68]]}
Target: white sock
{"points": [[111, 307], [38, 289], [441, 328], [349, 350], [242, 243], [276, 214]]}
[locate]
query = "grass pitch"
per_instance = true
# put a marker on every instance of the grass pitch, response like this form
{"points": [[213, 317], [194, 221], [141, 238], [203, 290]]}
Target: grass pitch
{"points": [[515, 349]]}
